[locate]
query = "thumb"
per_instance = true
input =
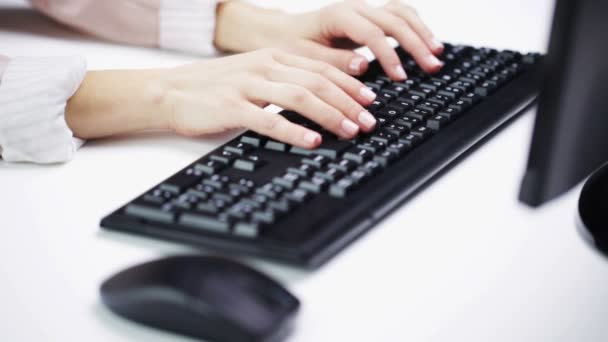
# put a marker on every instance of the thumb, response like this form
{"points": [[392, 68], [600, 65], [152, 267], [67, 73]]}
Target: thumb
{"points": [[348, 61]]}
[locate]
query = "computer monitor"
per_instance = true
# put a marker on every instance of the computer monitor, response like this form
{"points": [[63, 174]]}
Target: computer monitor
{"points": [[570, 138]]}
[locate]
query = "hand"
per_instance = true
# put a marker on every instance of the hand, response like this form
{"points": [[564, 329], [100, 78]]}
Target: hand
{"points": [[319, 34], [225, 93]]}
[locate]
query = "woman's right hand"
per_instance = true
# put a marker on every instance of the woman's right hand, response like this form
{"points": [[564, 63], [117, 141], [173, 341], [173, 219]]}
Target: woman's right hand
{"points": [[221, 94]]}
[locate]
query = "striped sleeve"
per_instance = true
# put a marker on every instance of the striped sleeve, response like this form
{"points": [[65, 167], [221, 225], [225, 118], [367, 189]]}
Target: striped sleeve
{"points": [[188, 25], [33, 95]]}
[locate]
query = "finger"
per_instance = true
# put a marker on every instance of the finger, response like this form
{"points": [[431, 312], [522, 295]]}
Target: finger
{"points": [[305, 102], [354, 115], [348, 61], [408, 14], [360, 30], [279, 128], [353, 87], [409, 40]]}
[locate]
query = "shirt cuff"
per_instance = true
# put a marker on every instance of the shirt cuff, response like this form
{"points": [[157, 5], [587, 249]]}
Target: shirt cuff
{"points": [[188, 25], [33, 96]]}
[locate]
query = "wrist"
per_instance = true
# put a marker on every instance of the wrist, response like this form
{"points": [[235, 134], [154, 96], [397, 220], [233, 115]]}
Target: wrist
{"points": [[157, 99], [242, 27]]}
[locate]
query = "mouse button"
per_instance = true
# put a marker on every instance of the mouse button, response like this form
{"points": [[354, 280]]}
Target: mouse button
{"points": [[238, 304], [137, 277]]}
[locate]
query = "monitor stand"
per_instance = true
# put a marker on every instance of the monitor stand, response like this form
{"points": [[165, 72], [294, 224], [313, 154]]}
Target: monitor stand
{"points": [[593, 209]]}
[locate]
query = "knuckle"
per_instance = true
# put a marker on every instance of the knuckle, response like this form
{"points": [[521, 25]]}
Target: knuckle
{"points": [[272, 123], [320, 84], [298, 95], [323, 68]]}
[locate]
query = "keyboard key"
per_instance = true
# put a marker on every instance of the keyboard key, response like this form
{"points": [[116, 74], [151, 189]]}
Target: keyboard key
{"points": [[388, 96], [401, 106], [298, 195], [267, 216], [247, 229], [239, 148], [282, 205], [410, 140], [331, 174], [205, 222], [386, 158], [303, 170], [460, 105], [224, 157], [430, 107], [156, 197], [399, 148], [358, 176], [317, 161], [371, 168], [181, 181], [344, 165], [450, 113], [358, 155], [384, 137], [420, 114], [398, 88], [275, 146], [208, 207], [250, 163], [315, 184], [388, 112], [396, 129], [422, 132], [288, 180], [342, 188], [376, 105], [412, 99], [408, 122], [471, 98], [253, 139], [373, 146], [486, 88], [437, 122], [270, 190], [332, 147], [150, 213], [217, 181], [440, 100]]}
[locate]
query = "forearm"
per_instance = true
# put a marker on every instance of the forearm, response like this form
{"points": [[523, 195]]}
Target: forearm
{"points": [[244, 27], [117, 101]]}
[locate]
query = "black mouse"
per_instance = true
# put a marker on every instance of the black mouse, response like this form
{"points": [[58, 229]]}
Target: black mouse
{"points": [[204, 297], [593, 209]]}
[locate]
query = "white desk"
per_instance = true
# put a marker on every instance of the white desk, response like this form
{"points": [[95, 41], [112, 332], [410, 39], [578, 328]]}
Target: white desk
{"points": [[463, 261]]}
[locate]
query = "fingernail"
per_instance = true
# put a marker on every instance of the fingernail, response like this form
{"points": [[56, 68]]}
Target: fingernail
{"points": [[434, 61], [312, 138], [356, 64], [437, 45], [368, 93], [400, 72], [367, 120], [349, 127]]}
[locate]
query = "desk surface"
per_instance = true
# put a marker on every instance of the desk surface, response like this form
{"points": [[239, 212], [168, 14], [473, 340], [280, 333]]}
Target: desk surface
{"points": [[462, 261]]}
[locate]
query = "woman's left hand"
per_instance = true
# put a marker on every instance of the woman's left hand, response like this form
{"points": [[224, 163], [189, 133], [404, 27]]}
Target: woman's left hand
{"points": [[323, 34]]}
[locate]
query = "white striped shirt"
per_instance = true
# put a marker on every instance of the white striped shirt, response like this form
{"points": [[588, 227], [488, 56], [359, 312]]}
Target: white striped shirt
{"points": [[34, 91]]}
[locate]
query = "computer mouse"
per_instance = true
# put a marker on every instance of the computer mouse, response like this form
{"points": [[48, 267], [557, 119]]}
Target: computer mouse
{"points": [[205, 297], [593, 209]]}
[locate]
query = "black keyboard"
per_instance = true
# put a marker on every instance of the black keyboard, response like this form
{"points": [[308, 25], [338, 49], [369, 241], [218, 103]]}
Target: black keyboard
{"points": [[258, 196]]}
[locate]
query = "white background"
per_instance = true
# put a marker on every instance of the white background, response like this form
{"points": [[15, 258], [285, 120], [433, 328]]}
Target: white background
{"points": [[463, 261]]}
